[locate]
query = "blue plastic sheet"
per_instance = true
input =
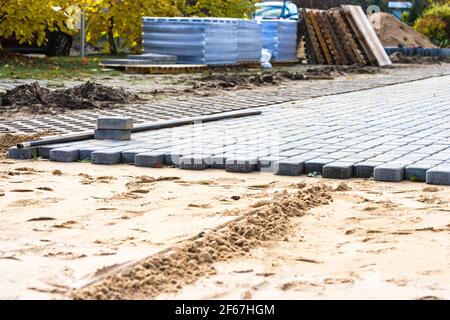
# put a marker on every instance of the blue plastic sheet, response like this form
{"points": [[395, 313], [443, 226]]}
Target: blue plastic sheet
{"points": [[280, 37]]}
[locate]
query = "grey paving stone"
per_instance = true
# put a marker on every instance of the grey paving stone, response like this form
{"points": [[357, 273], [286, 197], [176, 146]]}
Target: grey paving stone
{"points": [[106, 157], [316, 165], [44, 151], [391, 172], [365, 169], [193, 162], [338, 170], [68, 154], [86, 152], [128, 155], [439, 175], [173, 158], [289, 167], [149, 159], [101, 134], [292, 153], [266, 164], [418, 171], [217, 161], [241, 164], [115, 123], [22, 153]]}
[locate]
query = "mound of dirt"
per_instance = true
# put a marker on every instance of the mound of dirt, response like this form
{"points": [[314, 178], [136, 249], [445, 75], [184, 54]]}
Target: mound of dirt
{"points": [[9, 140], [192, 259], [270, 78], [394, 33], [36, 99]]}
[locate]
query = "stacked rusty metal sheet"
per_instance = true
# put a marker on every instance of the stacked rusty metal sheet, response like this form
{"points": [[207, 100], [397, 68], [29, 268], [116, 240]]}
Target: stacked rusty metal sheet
{"points": [[341, 36]]}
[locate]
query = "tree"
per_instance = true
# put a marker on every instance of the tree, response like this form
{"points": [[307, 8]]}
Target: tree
{"points": [[435, 23], [122, 19], [218, 8], [29, 20]]}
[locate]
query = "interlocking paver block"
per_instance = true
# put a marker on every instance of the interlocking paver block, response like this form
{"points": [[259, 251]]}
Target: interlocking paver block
{"points": [[194, 162], [241, 164], [22, 153], [102, 134], [128, 155], [266, 164], [289, 167], [217, 161], [173, 158], [44, 151], [365, 169], [439, 175], [86, 152], [316, 165], [418, 171], [149, 159], [68, 154], [106, 157], [115, 123], [338, 170], [390, 172]]}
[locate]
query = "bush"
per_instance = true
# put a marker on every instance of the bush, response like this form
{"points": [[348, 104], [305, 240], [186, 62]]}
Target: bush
{"points": [[435, 23]]}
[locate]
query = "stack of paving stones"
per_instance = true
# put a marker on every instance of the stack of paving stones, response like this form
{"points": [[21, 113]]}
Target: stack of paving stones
{"points": [[389, 134], [142, 59]]}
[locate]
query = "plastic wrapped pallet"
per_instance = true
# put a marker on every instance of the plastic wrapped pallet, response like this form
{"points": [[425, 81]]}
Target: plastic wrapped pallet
{"points": [[280, 37], [249, 41], [192, 40]]}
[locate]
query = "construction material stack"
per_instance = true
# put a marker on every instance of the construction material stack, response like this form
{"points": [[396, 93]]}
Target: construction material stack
{"points": [[113, 128], [341, 36], [280, 37], [207, 41], [249, 41]]}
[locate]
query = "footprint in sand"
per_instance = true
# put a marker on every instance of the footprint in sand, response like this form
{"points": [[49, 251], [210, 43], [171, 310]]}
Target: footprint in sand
{"points": [[41, 219], [21, 190], [33, 202], [44, 188], [199, 205]]}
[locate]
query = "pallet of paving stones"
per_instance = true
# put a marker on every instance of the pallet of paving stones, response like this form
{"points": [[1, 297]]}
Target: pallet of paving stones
{"points": [[341, 36]]}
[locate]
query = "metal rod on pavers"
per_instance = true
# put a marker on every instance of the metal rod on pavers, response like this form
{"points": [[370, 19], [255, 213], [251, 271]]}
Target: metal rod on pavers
{"points": [[144, 127], [192, 120]]}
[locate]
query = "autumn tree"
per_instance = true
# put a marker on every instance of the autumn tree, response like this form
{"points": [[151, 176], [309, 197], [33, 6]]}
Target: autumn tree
{"points": [[114, 19], [29, 20], [218, 8]]}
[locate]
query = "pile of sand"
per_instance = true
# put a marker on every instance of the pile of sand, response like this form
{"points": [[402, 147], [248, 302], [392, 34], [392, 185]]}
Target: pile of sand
{"points": [[192, 259], [9, 140], [393, 33]]}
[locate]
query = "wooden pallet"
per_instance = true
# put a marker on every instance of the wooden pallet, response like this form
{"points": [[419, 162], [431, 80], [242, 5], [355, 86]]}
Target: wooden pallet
{"points": [[314, 52], [160, 68], [366, 35], [320, 38], [326, 33], [350, 46], [341, 55], [341, 36], [283, 64]]}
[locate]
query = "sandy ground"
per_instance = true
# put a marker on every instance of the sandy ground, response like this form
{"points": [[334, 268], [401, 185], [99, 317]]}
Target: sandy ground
{"points": [[62, 231], [375, 241]]}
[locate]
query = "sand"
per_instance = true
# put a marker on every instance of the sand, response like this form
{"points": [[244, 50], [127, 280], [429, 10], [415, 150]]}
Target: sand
{"points": [[68, 229], [375, 241], [393, 33]]}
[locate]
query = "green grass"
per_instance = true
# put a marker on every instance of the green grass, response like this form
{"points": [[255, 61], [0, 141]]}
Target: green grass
{"points": [[19, 67]]}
